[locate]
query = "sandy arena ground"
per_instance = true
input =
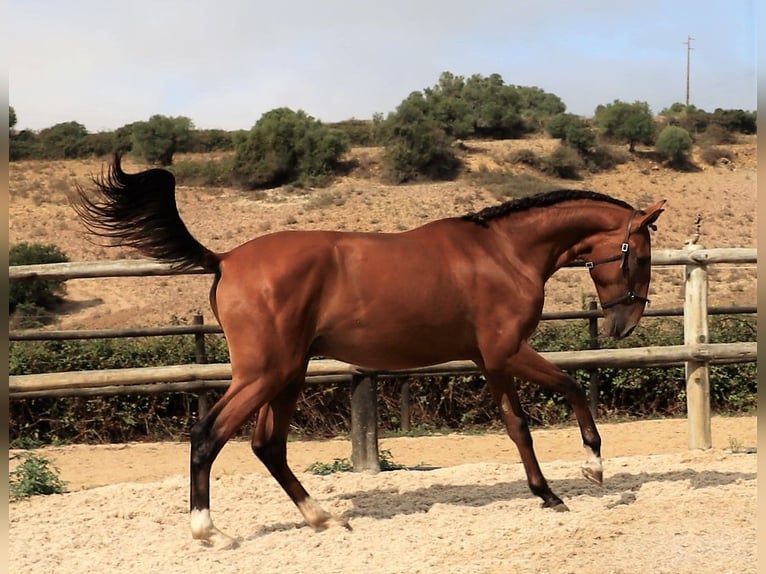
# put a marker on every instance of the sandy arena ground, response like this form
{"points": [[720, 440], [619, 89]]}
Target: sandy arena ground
{"points": [[462, 504]]}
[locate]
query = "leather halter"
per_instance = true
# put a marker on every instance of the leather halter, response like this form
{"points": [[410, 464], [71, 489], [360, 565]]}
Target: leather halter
{"points": [[631, 296]]}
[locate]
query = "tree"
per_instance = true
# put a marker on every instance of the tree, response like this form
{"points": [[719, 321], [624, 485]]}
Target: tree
{"points": [[157, 140], [11, 119], [573, 130], [484, 106], [284, 146], [632, 123], [674, 143], [65, 140], [417, 144]]}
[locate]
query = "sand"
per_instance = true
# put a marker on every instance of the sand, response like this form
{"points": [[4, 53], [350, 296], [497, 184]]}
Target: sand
{"points": [[461, 504]]}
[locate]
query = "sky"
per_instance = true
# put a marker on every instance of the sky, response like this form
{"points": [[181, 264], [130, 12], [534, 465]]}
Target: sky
{"points": [[224, 63]]}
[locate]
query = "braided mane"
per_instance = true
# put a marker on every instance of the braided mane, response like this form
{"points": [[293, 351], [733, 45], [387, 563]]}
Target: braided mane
{"points": [[538, 200]]}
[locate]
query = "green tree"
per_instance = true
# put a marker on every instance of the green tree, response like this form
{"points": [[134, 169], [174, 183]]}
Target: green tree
{"points": [[485, 106], [632, 123], [11, 118], [157, 140], [64, 140], [285, 146], [573, 130], [417, 144], [674, 143]]}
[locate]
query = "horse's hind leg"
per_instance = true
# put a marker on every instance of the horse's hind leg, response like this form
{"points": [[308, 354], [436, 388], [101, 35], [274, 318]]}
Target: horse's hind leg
{"points": [[504, 392], [269, 444], [208, 436]]}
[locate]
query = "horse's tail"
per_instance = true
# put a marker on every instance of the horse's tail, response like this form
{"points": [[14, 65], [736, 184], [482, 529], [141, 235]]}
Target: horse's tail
{"points": [[139, 210]]}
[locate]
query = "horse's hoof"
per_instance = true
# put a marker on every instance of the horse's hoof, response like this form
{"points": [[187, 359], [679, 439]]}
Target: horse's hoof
{"points": [[331, 521], [596, 476], [557, 505], [220, 541]]}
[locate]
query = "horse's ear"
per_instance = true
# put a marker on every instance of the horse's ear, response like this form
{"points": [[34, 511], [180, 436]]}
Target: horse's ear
{"points": [[650, 216]]}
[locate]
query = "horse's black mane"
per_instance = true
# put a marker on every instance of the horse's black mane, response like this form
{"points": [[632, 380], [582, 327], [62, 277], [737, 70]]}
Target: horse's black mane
{"points": [[539, 200]]}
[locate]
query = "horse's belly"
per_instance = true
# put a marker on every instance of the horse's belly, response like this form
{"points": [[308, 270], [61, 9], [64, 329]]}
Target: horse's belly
{"points": [[404, 350]]}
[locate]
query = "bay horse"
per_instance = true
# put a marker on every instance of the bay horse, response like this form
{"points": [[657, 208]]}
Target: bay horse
{"points": [[458, 288]]}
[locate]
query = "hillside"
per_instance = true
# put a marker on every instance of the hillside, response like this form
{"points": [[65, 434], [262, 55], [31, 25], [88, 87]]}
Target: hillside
{"points": [[723, 195]]}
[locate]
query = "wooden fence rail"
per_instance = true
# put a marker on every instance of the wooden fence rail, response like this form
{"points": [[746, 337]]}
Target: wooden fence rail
{"points": [[696, 354]]}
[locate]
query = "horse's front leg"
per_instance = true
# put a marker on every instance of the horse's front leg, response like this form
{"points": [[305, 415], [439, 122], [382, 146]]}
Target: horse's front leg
{"points": [[528, 365], [503, 390]]}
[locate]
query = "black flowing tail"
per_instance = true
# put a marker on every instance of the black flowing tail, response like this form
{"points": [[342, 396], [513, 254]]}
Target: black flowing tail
{"points": [[139, 210]]}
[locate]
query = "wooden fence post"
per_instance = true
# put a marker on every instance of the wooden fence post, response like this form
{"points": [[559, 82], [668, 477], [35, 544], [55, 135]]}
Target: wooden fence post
{"points": [[364, 424], [697, 372], [594, 382], [200, 357], [404, 406]]}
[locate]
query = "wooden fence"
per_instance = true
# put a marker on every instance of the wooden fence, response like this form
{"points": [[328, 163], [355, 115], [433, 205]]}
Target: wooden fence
{"points": [[696, 354]]}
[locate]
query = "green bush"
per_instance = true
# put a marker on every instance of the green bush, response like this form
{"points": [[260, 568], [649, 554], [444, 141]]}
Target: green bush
{"points": [[674, 143], [416, 145], [34, 475], [286, 146], [157, 140], [27, 294], [573, 130]]}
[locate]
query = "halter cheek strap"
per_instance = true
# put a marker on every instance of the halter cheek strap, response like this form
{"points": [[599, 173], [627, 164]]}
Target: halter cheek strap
{"points": [[631, 296]]}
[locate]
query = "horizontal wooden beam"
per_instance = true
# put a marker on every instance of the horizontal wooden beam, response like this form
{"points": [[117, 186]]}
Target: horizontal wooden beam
{"points": [[569, 360]]}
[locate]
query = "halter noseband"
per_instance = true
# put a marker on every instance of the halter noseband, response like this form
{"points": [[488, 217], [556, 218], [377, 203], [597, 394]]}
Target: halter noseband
{"points": [[631, 296]]}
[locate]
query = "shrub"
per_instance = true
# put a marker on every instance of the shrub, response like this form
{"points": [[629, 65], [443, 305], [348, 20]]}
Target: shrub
{"points": [[203, 173], [34, 475], [416, 145], [711, 155], [715, 134], [35, 292], [159, 138], [604, 157], [573, 130], [564, 162], [527, 157], [286, 146], [674, 143]]}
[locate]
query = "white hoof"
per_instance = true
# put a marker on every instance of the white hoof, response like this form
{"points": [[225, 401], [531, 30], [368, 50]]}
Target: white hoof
{"points": [[203, 530], [593, 469], [318, 518]]}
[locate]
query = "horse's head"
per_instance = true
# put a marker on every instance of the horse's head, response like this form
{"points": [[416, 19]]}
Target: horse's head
{"points": [[620, 266]]}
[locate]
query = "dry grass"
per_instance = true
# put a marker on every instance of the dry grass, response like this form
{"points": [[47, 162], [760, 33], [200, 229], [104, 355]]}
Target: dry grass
{"points": [[222, 218]]}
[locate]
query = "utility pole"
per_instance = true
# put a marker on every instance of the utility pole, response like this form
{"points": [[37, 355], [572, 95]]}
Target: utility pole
{"points": [[688, 65]]}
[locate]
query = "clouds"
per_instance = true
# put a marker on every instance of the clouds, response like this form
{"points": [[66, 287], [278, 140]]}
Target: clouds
{"points": [[225, 63]]}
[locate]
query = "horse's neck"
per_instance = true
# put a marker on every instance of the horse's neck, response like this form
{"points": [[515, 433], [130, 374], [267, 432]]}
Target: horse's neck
{"points": [[554, 236]]}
